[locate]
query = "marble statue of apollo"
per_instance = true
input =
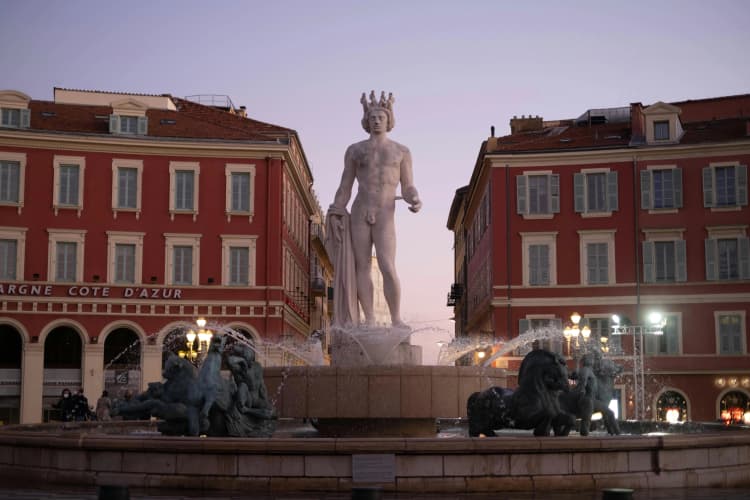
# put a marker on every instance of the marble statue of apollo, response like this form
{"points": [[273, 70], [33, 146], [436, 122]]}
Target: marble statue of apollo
{"points": [[379, 165]]}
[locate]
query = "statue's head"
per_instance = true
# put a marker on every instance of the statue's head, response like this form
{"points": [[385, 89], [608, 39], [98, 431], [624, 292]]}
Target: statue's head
{"points": [[377, 110]]}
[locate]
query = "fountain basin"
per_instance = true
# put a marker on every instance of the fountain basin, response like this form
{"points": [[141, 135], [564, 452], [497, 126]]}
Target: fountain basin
{"points": [[82, 454], [393, 401]]}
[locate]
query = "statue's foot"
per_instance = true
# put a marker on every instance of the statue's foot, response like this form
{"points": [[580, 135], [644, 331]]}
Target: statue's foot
{"points": [[400, 325]]}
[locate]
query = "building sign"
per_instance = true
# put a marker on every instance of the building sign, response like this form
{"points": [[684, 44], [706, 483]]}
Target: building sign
{"points": [[23, 289]]}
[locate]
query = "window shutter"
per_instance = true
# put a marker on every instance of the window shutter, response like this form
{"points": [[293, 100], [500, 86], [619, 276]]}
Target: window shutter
{"points": [[708, 187], [680, 260], [579, 193], [142, 125], [25, 118], [741, 184], [612, 200], [673, 339], [554, 183], [523, 326], [743, 249], [521, 205], [677, 186], [646, 190], [711, 251], [649, 271], [544, 265], [652, 343], [73, 186], [114, 124]]}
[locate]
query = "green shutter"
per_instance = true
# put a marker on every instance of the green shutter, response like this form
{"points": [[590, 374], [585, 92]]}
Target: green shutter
{"points": [[646, 201], [114, 124], [677, 186], [554, 183], [142, 125], [743, 249], [579, 192], [521, 205], [680, 260], [25, 121], [612, 199], [649, 270], [711, 251], [708, 187], [741, 185]]}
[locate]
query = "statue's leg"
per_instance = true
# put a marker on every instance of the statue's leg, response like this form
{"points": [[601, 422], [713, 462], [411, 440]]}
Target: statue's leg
{"points": [[362, 246], [384, 236]]}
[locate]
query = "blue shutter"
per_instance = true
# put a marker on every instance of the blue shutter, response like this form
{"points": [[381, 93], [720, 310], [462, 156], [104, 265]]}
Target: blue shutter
{"points": [[680, 259], [612, 199], [649, 269], [523, 326], [554, 183], [142, 125], [677, 186], [743, 249], [25, 121], [521, 205], [114, 124], [646, 201], [708, 187], [741, 185], [711, 268], [579, 193]]}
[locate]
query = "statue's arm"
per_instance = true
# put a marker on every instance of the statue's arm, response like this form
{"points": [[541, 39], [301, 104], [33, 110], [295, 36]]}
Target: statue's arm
{"points": [[408, 190], [344, 192]]}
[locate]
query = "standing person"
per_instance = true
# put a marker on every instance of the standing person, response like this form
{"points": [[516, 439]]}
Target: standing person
{"points": [[103, 407], [379, 165], [81, 409], [65, 405]]}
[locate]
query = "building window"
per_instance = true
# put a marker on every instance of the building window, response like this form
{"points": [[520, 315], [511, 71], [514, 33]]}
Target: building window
{"points": [[668, 343], [664, 260], [239, 196], [130, 125], [238, 258], [537, 194], [182, 258], [661, 188], [730, 332], [727, 258], [541, 325], [183, 183], [65, 255], [12, 250], [595, 192], [68, 183], [661, 130], [601, 330], [125, 257], [725, 185], [127, 181], [597, 256], [12, 168], [15, 118], [539, 258]]}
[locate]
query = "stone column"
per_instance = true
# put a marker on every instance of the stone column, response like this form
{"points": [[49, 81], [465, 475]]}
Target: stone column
{"points": [[32, 380], [92, 371], [150, 365]]}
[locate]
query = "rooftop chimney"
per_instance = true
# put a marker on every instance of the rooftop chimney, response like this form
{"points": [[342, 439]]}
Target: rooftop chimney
{"points": [[242, 111], [526, 124]]}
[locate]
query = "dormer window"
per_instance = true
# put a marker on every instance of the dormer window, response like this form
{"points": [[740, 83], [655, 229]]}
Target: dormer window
{"points": [[662, 124], [14, 109], [128, 117], [661, 130]]}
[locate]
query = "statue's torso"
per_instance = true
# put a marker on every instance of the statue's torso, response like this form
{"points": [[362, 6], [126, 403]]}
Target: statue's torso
{"points": [[378, 170]]}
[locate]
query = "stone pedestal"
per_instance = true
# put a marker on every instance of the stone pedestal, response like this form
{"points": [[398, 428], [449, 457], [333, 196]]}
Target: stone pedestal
{"points": [[378, 346]]}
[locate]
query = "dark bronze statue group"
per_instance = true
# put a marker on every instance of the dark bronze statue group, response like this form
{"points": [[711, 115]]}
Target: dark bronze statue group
{"points": [[193, 402], [544, 400]]}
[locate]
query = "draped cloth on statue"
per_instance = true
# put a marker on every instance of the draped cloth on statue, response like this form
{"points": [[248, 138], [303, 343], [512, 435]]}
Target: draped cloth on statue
{"points": [[339, 247]]}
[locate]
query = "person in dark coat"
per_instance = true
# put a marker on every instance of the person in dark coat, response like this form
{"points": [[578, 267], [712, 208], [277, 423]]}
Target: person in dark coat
{"points": [[81, 410], [65, 405]]}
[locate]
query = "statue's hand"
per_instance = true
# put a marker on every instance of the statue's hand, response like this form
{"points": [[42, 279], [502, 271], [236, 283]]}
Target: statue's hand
{"points": [[415, 205]]}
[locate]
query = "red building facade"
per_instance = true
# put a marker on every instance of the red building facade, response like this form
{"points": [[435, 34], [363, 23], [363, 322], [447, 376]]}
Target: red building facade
{"points": [[628, 211], [123, 219]]}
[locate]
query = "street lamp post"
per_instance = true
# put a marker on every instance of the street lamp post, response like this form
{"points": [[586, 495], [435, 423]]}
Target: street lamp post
{"points": [[572, 331]]}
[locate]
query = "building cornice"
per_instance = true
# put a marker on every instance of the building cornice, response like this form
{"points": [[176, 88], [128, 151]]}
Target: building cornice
{"points": [[645, 153]]}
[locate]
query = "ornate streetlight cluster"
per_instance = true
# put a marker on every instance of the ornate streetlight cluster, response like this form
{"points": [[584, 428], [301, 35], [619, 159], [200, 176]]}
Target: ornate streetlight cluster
{"points": [[204, 337], [573, 331]]}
